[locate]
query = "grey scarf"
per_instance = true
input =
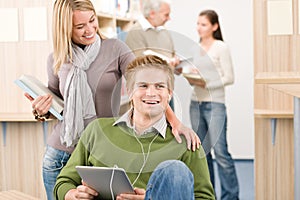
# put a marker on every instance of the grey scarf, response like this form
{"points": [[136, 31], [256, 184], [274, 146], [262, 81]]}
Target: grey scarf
{"points": [[78, 104]]}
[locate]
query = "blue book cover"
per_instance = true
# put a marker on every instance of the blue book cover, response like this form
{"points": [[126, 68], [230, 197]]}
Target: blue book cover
{"points": [[35, 88]]}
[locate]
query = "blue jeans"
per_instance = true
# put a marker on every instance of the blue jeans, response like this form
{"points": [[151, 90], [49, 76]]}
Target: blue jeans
{"points": [[171, 179], [54, 160], [209, 121]]}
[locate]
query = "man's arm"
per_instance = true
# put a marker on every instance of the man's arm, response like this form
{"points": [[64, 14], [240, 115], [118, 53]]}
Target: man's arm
{"points": [[196, 161], [69, 179]]}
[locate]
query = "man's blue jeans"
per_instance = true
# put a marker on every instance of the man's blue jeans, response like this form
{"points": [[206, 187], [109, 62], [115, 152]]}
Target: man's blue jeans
{"points": [[171, 179], [209, 121], [54, 160]]}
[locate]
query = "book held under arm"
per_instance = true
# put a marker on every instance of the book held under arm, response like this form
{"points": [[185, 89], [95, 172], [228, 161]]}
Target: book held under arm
{"points": [[35, 88]]}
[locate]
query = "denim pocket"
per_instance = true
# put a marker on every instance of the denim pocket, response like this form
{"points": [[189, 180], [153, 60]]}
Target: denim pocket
{"points": [[54, 159]]}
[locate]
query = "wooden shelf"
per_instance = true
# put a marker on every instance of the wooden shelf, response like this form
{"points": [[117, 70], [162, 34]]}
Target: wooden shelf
{"points": [[124, 19], [18, 117], [105, 15], [108, 23], [278, 114], [277, 77]]}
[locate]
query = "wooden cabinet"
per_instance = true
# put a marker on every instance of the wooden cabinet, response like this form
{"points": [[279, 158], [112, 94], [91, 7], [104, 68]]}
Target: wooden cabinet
{"points": [[276, 61]]}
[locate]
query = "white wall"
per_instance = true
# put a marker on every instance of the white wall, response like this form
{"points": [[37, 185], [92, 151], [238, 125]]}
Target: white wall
{"points": [[236, 25]]}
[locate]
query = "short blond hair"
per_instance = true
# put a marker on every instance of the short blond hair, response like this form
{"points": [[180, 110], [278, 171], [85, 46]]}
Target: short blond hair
{"points": [[148, 62]]}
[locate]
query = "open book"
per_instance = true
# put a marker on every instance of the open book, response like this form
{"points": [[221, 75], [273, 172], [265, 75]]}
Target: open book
{"points": [[150, 52], [35, 88], [166, 58], [192, 76]]}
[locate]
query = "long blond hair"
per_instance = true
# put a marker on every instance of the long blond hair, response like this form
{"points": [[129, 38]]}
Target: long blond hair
{"points": [[62, 24]]}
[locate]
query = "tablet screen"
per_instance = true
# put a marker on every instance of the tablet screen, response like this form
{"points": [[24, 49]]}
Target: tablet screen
{"points": [[106, 181]]}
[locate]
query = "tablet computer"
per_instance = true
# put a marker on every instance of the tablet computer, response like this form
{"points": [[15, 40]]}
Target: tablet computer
{"points": [[105, 180]]}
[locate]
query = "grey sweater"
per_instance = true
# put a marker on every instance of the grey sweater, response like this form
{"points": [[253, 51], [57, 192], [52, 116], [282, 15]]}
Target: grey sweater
{"points": [[159, 41], [104, 77]]}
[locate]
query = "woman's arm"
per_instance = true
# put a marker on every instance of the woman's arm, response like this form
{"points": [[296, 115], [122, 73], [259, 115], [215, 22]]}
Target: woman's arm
{"points": [[198, 82], [178, 128]]}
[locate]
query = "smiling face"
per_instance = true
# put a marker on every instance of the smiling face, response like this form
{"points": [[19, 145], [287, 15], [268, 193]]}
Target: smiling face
{"points": [[150, 94], [85, 26]]}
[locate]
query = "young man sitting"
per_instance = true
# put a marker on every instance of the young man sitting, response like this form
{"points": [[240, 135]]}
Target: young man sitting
{"points": [[140, 142]]}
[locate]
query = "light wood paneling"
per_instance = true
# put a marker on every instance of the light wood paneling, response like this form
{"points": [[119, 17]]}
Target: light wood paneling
{"points": [[274, 163], [22, 150], [21, 157], [22, 57], [15, 195], [273, 54]]}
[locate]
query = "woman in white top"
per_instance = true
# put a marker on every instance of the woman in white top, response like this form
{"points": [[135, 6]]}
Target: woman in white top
{"points": [[207, 108]]}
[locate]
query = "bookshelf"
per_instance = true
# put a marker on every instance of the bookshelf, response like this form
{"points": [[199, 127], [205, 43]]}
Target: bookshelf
{"points": [[111, 25], [115, 17]]}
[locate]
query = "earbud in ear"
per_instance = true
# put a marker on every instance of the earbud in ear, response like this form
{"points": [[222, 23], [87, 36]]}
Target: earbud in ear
{"points": [[170, 97]]}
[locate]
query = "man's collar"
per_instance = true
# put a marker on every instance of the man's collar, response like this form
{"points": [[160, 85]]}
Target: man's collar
{"points": [[146, 24], [160, 126]]}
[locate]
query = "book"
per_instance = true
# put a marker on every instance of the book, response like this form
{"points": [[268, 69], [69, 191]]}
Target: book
{"points": [[35, 88], [192, 76], [150, 52], [167, 59]]}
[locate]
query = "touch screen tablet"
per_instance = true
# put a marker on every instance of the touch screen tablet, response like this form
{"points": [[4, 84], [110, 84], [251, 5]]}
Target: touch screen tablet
{"points": [[106, 180]]}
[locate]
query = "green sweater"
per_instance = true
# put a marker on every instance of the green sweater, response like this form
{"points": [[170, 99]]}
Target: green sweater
{"points": [[105, 145]]}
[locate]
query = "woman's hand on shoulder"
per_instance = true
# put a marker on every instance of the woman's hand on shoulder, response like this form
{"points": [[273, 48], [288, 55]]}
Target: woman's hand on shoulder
{"points": [[192, 139]]}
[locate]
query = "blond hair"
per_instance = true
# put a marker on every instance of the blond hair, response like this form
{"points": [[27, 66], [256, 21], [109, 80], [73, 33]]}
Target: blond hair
{"points": [[148, 62], [62, 24]]}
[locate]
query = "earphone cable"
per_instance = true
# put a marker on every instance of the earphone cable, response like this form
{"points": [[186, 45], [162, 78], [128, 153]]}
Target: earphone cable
{"points": [[111, 181], [144, 156]]}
